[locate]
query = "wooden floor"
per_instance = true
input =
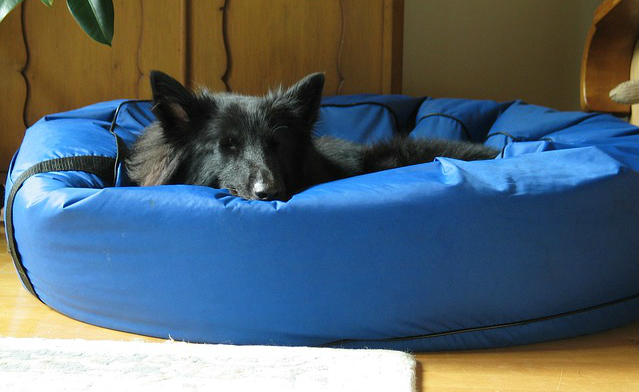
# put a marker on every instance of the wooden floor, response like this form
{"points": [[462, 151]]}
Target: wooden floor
{"points": [[603, 362]]}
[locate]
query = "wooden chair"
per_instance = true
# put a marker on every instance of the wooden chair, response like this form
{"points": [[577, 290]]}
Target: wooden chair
{"points": [[608, 55]]}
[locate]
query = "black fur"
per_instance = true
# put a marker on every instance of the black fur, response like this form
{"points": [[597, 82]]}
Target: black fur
{"points": [[262, 147]]}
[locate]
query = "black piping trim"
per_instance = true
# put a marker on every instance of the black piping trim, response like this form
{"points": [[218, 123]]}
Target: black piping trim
{"points": [[396, 129], [413, 116], [98, 165], [520, 138], [464, 128], [117, 111], [325, 105], [120, 147], [485, 327]]}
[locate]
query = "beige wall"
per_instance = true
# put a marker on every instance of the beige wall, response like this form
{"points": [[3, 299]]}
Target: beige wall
{"points": [[496, 49]]}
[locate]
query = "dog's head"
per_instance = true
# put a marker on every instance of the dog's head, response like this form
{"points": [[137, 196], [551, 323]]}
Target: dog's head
{"points": [[252, 146]]}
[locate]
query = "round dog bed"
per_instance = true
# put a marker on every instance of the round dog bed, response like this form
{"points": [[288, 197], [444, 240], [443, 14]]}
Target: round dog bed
{"points": [[539, 243]]}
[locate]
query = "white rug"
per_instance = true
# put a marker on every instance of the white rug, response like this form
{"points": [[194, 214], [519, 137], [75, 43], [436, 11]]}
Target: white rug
{"points": [[81, 365]]}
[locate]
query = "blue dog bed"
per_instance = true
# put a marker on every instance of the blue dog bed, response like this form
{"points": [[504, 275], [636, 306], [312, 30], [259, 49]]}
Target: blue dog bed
{"points": [[540, 243]]}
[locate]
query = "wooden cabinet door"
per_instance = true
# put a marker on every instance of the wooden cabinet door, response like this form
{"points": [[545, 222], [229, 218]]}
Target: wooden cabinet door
{"points": [[247, 46]]}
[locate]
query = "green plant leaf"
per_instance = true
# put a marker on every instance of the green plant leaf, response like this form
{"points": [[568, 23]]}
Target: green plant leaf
{"points": [[7, 6], [48, 3], [95, 17]]}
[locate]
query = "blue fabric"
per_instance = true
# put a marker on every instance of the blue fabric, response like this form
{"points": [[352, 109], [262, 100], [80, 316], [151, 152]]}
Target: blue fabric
{"points": [[451, 118], [539, 243]]}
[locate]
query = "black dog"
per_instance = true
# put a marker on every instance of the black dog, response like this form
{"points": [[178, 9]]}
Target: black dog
{"points": [[262, 147]]}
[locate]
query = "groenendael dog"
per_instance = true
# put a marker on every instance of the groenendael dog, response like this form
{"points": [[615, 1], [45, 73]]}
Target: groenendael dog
{"points": [[262, 148]]}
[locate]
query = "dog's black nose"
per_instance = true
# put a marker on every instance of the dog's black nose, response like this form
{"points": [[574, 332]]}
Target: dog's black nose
{"points": [[264, 195], [264, 191]]}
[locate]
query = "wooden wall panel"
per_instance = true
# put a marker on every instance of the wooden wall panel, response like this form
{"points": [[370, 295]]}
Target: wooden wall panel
{"points": [[363, 41], [67, 70], [373, 33], [65, 67], [393, 46], [279, 41], [207, 51], [13, 87], [162, 41], [248, 46]]}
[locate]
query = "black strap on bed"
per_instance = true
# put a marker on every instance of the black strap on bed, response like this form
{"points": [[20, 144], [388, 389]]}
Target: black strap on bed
{"points": [[102, 167], [106, 168]]}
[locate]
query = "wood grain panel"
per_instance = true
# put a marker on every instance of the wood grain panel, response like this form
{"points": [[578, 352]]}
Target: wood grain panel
{"points": [[68, 70], [50, 65], [279, 41], [393, 48], [207, 52], [363, 41], [13, 58], [372, 60], [65, 67], [162, 43], [249, 46]]}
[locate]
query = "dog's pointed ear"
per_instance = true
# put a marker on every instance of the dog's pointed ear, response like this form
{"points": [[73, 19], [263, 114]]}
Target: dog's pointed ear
{"points": [[173, 104], [306, 95]]}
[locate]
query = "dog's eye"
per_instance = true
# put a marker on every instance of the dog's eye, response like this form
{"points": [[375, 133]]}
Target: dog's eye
{"points": [[229, 143]]}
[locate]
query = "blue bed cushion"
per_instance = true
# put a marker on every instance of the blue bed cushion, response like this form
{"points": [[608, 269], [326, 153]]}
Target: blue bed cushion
{"points": [[537, 244]]}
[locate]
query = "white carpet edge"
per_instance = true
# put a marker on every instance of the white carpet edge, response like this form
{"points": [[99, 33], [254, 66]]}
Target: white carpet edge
{"points": [[190, 366]]}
